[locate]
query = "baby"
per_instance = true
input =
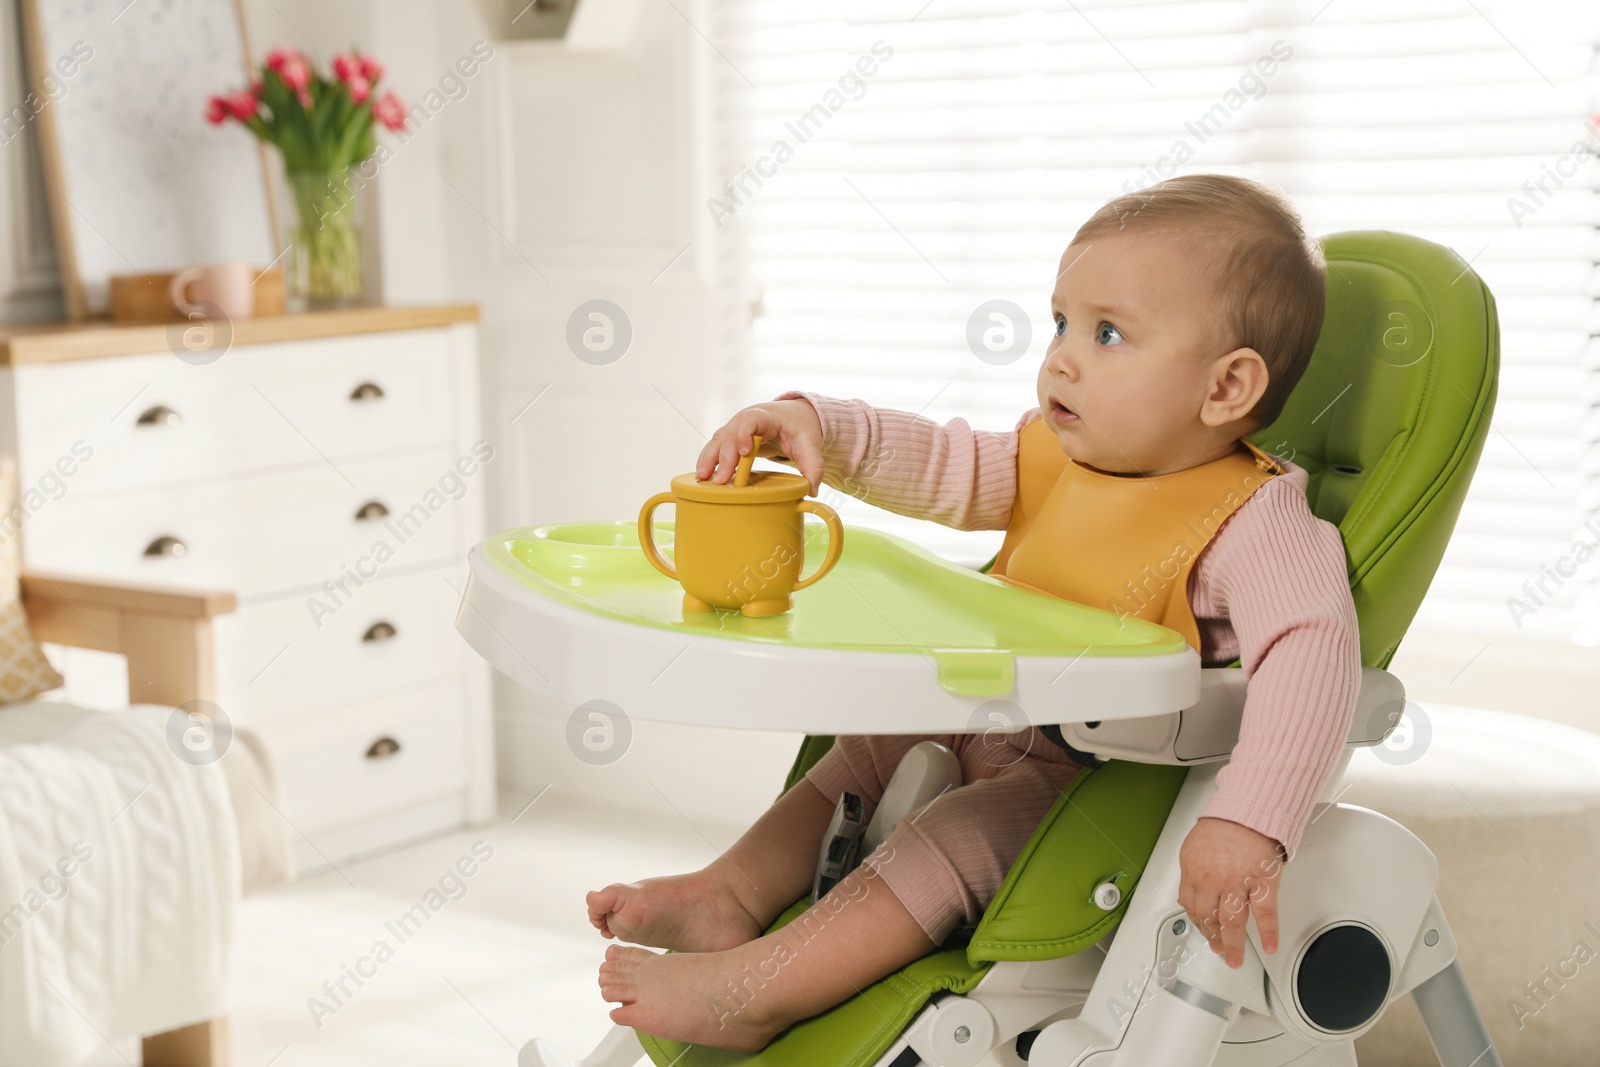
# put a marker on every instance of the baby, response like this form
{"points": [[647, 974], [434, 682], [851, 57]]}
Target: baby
{"points": [[1184, 315]]}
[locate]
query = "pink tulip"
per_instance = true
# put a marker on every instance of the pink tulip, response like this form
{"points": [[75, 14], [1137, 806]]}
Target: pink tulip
{"points": [[291, 66], [296, 74], [371, 69], [279, 56], [241, 105], [217, 111], [390, 111], [350, 71]]}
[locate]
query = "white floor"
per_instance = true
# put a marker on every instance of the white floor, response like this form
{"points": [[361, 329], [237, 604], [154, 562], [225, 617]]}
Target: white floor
{"points": [[513, 958]]}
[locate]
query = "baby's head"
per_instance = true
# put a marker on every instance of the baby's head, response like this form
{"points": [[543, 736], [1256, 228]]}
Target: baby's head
{"points": [[1184, 314]]}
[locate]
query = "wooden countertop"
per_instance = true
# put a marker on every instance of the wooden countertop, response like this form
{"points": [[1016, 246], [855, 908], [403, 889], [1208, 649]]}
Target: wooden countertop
{"points": [[53, 342]]}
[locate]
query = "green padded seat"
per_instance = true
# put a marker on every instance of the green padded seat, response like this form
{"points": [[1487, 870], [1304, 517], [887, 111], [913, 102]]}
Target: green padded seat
{"points": [[1103, 832], [1388, 420]]}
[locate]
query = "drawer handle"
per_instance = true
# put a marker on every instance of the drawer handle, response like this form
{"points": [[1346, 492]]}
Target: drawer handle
{"points": [[160, 415], [165, 545], [367, 391], [371, 510], [380, 631], [383, 748]]}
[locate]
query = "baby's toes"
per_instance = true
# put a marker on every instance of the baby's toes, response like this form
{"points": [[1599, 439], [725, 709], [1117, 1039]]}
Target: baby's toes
{"points": [[603, 904], [617, 990], [617, 981], [601, 901], [624, 958], [627, 1015]]}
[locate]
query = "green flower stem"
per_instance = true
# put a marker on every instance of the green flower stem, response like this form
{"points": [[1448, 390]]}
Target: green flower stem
{"points": [[325, 234]]}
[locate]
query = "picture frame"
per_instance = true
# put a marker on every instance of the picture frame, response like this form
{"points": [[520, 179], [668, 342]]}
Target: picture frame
{"points": [[138, 182]]}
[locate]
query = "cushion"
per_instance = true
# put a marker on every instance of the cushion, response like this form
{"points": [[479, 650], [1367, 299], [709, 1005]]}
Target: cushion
{"points": [[1390, 417], [24, 672], [1102, 829]]}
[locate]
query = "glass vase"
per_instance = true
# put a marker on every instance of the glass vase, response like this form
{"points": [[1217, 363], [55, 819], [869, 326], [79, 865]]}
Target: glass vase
{"points": [[322, 268]]}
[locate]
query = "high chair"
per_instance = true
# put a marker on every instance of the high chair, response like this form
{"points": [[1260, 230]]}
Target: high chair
{"points": [[1084, 957]]}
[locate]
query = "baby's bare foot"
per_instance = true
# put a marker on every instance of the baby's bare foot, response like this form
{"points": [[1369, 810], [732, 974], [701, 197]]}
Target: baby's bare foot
{"points": [[686, 913], [685, 996]]}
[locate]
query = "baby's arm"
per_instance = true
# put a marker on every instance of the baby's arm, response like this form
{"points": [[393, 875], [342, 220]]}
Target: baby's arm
{"points": [[1279, 574], [911, 465]]}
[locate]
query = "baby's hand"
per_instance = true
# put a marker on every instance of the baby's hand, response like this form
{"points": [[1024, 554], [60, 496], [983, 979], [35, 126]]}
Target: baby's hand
{"points": [[786, 428], [1228, 870]]}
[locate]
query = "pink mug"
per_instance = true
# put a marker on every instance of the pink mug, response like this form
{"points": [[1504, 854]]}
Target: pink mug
{"points": [[201, 292]]}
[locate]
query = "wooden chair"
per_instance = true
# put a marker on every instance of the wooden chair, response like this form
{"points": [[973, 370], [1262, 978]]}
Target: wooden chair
{"points": [[166, 637]]}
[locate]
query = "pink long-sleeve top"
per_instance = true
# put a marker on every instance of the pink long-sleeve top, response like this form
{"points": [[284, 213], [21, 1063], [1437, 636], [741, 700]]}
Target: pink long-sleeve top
{"points": [[1271, 589]]}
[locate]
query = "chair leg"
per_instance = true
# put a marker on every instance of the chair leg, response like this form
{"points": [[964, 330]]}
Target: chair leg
{"points": [[1181, 1027], [619, 1048], [1326, 1056], [203, 1044], [1450, 1015]]}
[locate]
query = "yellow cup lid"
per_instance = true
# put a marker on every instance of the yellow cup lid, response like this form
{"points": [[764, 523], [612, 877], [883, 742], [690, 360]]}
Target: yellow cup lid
{"points": [[765, 487]]}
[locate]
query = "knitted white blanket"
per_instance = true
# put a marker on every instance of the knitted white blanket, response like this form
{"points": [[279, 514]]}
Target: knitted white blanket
{"points": [[119, 873]]}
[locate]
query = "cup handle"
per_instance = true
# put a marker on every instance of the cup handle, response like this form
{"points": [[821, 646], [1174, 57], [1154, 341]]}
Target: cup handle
{"points": [[647, 539], [175, 292], [835, 539]]}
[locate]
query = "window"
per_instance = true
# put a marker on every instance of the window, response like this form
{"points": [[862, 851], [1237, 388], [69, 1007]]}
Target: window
{"points": [[884, 178]]}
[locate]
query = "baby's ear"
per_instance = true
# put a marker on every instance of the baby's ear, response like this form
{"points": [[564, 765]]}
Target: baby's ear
{"points": [[1240, 381]]}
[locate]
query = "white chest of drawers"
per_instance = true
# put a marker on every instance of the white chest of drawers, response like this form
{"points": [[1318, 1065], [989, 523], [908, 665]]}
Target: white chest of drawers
{"points": [[328, 468]]}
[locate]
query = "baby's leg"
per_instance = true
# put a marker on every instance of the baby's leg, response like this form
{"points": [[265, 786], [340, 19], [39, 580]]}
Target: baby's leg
{"points": [[948, 858], [744, 997], [733, 898], [944, 862], [863, 765], [770, 867]]}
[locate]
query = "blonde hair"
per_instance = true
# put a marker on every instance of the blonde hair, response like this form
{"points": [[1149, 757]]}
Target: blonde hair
{"points": [[1273, 278]]}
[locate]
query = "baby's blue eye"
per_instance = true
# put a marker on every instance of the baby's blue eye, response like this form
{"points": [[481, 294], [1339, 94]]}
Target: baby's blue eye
{"points": [[1061, 327], [1109, 334]]}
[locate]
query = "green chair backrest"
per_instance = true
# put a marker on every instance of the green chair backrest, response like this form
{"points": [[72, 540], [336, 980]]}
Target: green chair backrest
{"points": [[1391, 415]]}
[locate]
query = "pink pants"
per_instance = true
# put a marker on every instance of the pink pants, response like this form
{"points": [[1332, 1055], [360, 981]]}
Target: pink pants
{"points": [[945, 861]]}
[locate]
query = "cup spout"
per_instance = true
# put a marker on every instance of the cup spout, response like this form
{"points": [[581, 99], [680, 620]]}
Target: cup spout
{"points": [[741, 475]]}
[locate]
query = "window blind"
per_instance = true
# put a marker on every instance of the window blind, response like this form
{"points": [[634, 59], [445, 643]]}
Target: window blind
{"points": [[884, 177]]}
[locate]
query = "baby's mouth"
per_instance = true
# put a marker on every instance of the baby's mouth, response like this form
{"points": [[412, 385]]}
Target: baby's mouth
{"points": [[1062, 414]]}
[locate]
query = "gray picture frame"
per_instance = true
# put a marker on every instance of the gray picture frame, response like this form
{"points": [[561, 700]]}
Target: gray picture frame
{"points": [[138, 181]]}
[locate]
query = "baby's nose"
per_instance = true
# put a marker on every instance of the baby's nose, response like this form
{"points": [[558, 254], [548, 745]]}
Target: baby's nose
{"points": [[1061, 362]]}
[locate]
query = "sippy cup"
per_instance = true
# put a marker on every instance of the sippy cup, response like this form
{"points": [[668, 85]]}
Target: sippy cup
{"points": [[740, 546]]}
